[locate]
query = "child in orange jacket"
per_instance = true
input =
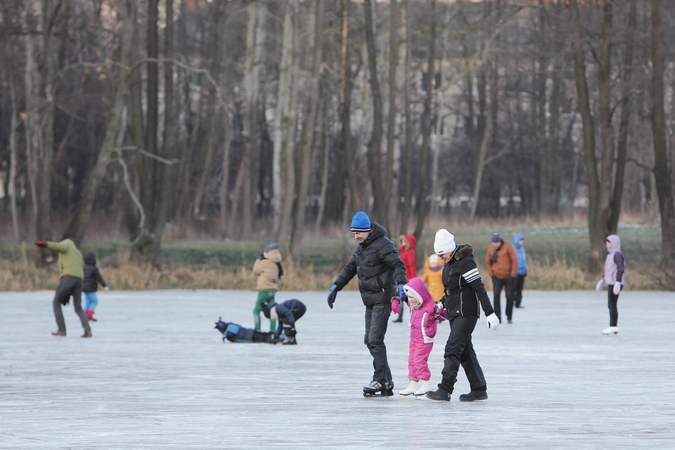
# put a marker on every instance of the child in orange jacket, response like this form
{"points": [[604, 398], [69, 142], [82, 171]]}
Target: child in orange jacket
{"points": [[433, 277]]}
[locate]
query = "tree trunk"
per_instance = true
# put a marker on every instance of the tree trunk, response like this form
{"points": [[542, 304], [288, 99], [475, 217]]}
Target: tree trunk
{"points": [[14, 124], [430, 87], [77, 227], [374, 151], [307, 139], [32, 120], [626, 110], [391, 119], [281, 116], [346, 132], [407, 156], [596, 236], [326, 166], [662, 173]]}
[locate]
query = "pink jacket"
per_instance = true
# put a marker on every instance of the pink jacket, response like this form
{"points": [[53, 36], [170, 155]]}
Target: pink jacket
{"points": [[423, 324]]}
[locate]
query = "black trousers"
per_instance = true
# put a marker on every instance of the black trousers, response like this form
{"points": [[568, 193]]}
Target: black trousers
{"points": [[377, 317], [459, 351], [612, 300], [518, 285], [497, 285], [69, 287]]}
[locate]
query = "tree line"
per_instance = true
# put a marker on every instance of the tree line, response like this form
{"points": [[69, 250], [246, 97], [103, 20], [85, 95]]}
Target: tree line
{"points": [[284, 116]]}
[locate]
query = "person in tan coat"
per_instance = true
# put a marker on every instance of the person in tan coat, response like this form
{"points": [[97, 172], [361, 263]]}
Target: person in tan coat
{"points": [[501, 262], [269, 271]]}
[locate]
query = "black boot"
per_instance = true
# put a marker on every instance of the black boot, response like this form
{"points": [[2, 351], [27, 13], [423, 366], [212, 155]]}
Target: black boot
{"points": [[473, 396], [441, 394]]}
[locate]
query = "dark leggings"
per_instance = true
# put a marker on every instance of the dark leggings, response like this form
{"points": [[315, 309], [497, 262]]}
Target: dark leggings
{"points": [[612, 300]]}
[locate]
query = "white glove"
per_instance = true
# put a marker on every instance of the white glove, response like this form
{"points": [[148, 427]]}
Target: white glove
{"points": [[601, 283], [617, 288], [107, 289], [492, 321]]}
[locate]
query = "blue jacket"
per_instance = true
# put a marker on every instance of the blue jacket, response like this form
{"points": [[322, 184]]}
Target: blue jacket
{"points": [[520, 253], [285, 312]]}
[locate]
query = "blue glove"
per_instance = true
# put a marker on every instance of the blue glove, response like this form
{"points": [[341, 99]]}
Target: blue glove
{"points": [[401, 293], [332, 294]]}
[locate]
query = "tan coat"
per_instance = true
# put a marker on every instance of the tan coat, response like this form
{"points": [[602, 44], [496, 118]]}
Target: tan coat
{"points": [[507, 260], [267, 271]]}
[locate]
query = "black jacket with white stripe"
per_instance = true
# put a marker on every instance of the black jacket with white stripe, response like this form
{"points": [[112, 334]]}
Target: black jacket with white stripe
{"points": [[464, 289]]}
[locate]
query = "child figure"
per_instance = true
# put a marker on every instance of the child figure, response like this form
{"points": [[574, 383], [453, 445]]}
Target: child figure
{"points": [[424, 318], [269, 272], [406, 249], [615, 264], [433, 277], [92, 278], [519, 284]]}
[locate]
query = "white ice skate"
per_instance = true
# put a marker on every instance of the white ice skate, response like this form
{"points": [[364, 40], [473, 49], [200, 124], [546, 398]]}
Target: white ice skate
{"points": [[424, 387], [412, 387], [610, 330]]}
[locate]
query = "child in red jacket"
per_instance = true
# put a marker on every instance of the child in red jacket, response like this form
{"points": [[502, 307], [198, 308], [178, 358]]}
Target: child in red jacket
{"points": [[406, 245]]}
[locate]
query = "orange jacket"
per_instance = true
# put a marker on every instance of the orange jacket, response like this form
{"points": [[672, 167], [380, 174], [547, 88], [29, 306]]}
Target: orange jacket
{"points": [[507, 260], [433, 277]]}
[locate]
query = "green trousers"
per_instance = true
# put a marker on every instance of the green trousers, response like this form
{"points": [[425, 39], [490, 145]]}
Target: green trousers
{"points": [[263, 297]]}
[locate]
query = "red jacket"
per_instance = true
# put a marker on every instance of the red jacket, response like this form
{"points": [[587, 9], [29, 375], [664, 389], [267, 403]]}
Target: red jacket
{"points": [[408, 256]]}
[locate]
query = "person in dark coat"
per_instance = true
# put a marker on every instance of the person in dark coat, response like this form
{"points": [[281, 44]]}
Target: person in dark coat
{"points": [[92, 278], [381, 275], [286, 313], [464, 296]]}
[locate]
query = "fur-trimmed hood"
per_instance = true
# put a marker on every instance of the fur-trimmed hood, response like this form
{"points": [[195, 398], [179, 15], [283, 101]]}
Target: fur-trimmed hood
{"points": [[463, 251]]}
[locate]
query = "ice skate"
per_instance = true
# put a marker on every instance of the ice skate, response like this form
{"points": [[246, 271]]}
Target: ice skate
{"points": [[377, 389], [611, 330], [473, 396], [290, 341], [424, 387], [412, 387]]}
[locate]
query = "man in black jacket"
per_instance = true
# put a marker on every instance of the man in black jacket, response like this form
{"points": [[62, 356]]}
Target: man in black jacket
{"points": [[381, 276]]}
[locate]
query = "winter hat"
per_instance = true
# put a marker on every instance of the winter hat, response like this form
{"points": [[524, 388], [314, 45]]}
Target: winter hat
{"points": [[444, 242], [361, 222], [496, 237], [416, 289], [434, 260], [271, 247]]}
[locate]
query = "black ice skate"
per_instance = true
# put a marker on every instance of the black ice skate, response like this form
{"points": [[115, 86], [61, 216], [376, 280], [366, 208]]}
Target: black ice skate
{"points": [[377, 389]]}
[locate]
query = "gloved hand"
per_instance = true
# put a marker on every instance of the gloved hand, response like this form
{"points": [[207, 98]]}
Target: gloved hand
{"points": [[107, 289], [492, 321], [617, 288], [401, 293], [41, 243], [439, 313], [601, 283], [332, 294], [396, 305]]}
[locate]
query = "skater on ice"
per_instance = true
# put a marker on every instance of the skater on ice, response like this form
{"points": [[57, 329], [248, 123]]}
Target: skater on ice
{"points": [[269, 271], [286, 313], [236, 333], [70, 284], [519, 283], [424, 318], [464, 292], [501, 263], [615, 265], [92, 278], [381, 275], [433, 277], [406, 245]]}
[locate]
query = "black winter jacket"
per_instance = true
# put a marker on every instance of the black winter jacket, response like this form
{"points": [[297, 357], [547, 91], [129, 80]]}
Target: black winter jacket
{"points": [[464, 289], [378, 266], [92, 277]]}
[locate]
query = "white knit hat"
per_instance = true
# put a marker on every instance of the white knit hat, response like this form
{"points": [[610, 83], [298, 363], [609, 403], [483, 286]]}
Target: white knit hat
{"points": [[444, 242]]}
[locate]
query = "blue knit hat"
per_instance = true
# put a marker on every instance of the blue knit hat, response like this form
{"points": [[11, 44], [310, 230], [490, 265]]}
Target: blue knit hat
{"points": [[361, 222]]}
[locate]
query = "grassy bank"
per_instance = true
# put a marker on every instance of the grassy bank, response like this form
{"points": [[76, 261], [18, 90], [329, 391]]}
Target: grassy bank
{"points": [[557, 258]]}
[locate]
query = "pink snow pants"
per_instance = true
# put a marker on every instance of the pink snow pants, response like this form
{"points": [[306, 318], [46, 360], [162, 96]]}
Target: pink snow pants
{"points": [[418, 368]]}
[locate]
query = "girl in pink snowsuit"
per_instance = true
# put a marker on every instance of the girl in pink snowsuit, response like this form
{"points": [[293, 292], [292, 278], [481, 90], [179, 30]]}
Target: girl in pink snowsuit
{"points": [[424, 318]]}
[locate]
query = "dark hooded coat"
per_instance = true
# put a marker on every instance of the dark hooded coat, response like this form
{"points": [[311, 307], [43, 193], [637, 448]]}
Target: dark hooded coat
{"points": [[92, 277]]}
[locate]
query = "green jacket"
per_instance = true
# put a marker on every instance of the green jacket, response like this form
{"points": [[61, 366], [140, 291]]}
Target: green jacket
{"points": [[70, 259]]}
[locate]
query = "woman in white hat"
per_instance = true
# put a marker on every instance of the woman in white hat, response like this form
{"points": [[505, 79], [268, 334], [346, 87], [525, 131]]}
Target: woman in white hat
{"points": [[464, 292]]}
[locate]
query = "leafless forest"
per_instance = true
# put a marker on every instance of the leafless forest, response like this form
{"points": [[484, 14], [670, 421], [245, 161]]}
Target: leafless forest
{"points": [[289, 115]]}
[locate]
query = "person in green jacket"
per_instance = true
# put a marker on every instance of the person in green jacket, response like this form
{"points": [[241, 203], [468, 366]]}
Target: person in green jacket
{"points": [[70, 285]]}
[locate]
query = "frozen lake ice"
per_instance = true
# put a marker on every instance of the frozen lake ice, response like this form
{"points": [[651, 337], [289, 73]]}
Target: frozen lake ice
{"points": [[157, 375]]}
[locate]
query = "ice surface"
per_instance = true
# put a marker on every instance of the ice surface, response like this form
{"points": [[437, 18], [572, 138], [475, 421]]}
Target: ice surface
{"points": [[157, 375]]}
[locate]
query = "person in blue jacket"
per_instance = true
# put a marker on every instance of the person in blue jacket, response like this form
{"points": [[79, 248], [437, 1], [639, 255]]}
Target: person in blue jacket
{"points": [[286, 313], [522, 269], [236, 333]]}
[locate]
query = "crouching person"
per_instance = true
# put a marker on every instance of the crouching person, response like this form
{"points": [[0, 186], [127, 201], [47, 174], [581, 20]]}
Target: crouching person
{"points": [[236, 333], [287, 313]]}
